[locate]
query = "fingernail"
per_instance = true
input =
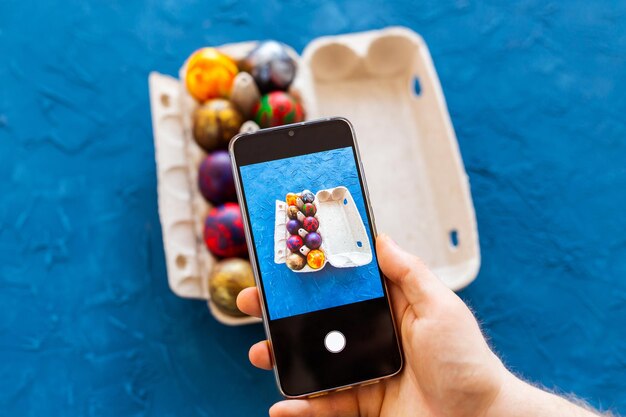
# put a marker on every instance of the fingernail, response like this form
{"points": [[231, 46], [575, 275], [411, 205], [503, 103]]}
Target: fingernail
{"points": [[391, 241]]}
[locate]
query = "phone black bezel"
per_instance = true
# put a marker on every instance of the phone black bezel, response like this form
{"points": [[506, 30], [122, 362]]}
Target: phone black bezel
{"points": [[285, 142]]}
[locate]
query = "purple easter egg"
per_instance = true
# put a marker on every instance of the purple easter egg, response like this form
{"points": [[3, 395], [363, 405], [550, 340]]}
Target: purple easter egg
{"points": [[294, 243], [313, 240], [310, 224], [293, 226], [215, 178]]}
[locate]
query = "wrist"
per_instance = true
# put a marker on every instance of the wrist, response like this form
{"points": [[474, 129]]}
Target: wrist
{"points": [[511, 391], [518, 398]]}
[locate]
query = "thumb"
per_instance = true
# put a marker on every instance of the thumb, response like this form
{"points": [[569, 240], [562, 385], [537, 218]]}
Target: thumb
{"points": [[407, 271]]}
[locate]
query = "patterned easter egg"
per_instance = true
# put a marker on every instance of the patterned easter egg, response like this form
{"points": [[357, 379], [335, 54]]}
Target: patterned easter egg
{"points": [[294, 243], [309, 209], [315, 259], [307, 196], [223, 232], [277, 108], [310, 224], [226, 281], [210, 74], [291, 198], [215, 123], [292, 212], [271, 66]]}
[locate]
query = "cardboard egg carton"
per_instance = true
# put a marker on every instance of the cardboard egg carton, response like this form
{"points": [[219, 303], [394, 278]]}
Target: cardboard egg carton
{"points": [[385, 83], [344, 239]]}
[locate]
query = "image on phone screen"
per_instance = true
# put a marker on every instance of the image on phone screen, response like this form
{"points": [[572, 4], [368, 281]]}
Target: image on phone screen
{"points": [[339, 231]]}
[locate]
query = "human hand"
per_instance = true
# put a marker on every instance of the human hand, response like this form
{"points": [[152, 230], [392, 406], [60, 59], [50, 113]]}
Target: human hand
{"points": [[449, 369]]}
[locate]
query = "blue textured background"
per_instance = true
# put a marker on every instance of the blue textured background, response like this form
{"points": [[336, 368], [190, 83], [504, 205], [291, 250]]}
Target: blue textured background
{"points": [[288, 293], [88, 326]]}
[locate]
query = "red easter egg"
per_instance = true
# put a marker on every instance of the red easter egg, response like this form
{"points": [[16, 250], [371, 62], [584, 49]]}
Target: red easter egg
{"points": [[294, 243], [310, 224], [277, 108], [224, 235], [309, 209]]}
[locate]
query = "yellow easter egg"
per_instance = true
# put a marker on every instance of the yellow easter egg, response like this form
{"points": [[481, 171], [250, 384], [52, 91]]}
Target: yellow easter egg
{"points": [[210, 74]]}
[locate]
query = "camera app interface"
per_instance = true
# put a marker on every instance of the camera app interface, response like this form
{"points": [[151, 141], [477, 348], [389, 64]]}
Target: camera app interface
{"points": [[311, 232]]}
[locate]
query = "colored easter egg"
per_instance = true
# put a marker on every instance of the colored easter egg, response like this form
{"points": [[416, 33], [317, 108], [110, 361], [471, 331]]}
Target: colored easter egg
{"points": [[223, 232], [291, 198], [307, 196], [296, 261], [271, 66], [293, 226], [309, 209], [292, 212], [294, 243], [215, 123], [313, 240], [277, 108], [315, 259], [226, 281], [215, 178], [310, 224], [210, 74]]}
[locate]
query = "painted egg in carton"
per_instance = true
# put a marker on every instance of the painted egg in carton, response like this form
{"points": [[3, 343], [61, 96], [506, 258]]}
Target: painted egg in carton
{"points": [[385, 83]]}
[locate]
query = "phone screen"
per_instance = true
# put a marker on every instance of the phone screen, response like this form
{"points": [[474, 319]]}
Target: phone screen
{"points": [[318, 285], [313, 241]]}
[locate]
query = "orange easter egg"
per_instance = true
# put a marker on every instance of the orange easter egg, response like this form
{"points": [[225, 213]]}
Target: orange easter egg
{"points": [[210, 74], [291, 198], [315, 259]]}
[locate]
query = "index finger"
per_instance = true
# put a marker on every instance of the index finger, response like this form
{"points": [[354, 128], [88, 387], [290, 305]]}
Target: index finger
{"points": [[408, 272], [248, 302]]}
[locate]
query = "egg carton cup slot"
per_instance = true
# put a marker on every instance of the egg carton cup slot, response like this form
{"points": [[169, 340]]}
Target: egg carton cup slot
{"points": [[345, 242], [385, 83]]}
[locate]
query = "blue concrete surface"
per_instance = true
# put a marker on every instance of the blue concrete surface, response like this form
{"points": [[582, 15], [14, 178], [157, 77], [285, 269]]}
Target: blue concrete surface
{"points": [[88, 326], [289, 293]]}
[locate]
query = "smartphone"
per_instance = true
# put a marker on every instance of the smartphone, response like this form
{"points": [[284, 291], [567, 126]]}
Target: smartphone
{"points": [[310, 233]]}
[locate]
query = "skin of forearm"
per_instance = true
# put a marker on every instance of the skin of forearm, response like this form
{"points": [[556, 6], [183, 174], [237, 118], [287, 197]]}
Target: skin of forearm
{"points": [[520, 399]]}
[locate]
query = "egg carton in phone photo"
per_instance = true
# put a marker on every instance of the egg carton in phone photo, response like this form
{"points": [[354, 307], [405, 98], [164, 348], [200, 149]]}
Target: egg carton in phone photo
{"points": [[344, 239], [385, 83]]}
